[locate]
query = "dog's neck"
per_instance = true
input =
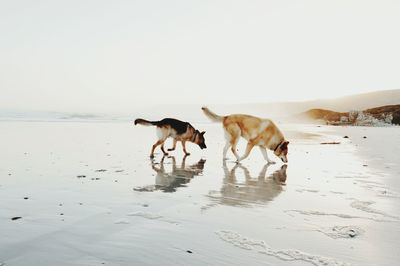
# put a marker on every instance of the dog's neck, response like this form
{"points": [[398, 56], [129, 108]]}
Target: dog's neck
{"points": [[279, 144], [194, 135]]}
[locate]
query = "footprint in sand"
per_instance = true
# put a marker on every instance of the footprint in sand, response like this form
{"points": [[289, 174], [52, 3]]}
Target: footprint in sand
{"points": [[336, 232]]}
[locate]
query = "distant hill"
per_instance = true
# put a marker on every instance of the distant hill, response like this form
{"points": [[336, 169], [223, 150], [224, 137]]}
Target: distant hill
{"points": [[326, 115], [358, 101], [342, 104], [282, 111], [289, 110], [394, 110], [385, 114]]}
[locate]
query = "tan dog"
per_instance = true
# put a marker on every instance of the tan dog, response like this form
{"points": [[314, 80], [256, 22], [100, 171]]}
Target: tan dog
{"points": [[258, 132], [176, 129]]}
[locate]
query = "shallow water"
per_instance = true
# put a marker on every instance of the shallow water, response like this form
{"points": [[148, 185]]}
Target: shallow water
{"points": [[94, 196]]}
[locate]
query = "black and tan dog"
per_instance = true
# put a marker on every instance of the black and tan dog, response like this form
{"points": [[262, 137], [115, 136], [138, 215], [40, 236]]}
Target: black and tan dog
{"points": [[176, 129]]}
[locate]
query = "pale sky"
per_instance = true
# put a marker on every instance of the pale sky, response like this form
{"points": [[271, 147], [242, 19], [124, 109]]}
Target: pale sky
{"points": [[115, 55]]}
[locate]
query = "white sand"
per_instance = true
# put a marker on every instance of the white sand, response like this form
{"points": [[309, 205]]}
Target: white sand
{"points": [[333, 205]]}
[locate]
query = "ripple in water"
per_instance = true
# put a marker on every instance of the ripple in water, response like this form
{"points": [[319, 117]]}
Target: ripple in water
{"points": [[285, 254]]}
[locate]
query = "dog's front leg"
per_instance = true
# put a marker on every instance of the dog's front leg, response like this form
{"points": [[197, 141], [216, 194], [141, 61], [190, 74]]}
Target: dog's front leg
{"points": [[173, 146], [184, 147], [247, 152], [265, 154]]}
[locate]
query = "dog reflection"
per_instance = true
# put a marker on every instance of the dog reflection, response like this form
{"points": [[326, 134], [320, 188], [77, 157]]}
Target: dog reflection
{"points": [[259, 189], [178, 177]]}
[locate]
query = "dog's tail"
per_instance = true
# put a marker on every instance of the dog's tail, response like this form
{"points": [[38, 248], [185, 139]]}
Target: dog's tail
{"points": [[145, 122], [213, 116]]}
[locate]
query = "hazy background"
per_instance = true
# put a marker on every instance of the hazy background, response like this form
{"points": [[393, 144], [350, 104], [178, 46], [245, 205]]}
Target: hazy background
{"points": [[101, 56]]}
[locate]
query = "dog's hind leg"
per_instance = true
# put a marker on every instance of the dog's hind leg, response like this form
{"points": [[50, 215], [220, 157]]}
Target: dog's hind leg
{"points": [[162, 134], [249, 147], [227, 145], [232, 135], [234, 143], [162, 148], [226, 148], [265, 154], [173, 146], [160, 141]]}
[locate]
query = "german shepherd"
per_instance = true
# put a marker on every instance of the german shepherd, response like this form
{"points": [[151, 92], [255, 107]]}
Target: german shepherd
{"points": [[258, 132], [178, 130]]}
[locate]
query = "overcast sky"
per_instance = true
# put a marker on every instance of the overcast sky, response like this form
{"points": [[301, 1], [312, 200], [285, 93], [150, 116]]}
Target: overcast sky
{"points": [[114, 55]]}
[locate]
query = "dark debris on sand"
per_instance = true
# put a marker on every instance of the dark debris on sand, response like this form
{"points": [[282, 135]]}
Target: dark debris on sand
{"points": [[352, 233], [101, 170], [330, 142]]}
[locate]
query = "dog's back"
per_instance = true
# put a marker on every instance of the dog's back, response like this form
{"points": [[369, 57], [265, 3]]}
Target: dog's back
{"points": [[179, 127], [253, 128], [250, 126]]}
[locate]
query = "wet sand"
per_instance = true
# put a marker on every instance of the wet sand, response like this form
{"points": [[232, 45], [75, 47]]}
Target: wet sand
{"points": [[87, 194]]}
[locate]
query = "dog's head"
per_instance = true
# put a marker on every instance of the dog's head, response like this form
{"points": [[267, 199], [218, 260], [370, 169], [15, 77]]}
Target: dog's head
{"points": [[199, 140], [282, 151]]}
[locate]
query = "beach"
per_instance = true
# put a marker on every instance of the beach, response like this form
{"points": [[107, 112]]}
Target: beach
{"points": [[87, 193]]}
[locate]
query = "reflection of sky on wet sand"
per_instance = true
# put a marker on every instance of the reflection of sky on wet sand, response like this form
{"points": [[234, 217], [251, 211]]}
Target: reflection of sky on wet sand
{"points": [[242, 188], [299, 207]]}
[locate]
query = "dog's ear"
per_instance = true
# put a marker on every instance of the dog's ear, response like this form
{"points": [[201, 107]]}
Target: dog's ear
{"points": [[202, 133], [284, 145]]}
